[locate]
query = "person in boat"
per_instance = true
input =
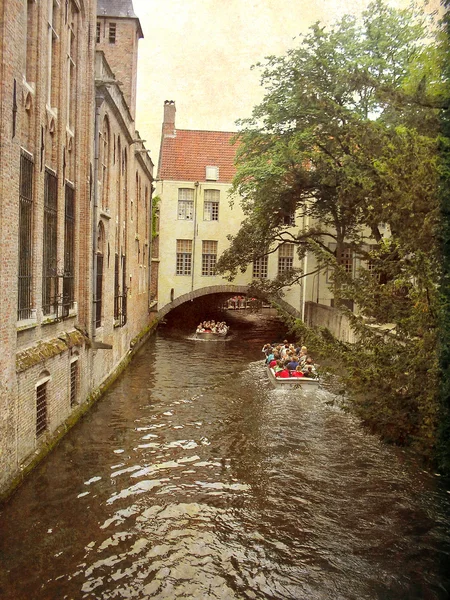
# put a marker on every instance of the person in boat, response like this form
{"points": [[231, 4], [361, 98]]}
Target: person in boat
{"points": [[281, 371], [270, 356], [298, 372], [200, 328], [266, 349], [308, 369], [293, 363], [274, 361]]}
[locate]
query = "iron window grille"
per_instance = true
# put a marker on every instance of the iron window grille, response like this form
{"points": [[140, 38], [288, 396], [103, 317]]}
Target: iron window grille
{"points": [[285, 257], [99, 297], [186, 204], [184, 257], [74, 374], [68, 297], [211, 205], [209, 257], [260, 268], [41, 408], [25, 277], [49, 267], [120, 296], [98, 32]]}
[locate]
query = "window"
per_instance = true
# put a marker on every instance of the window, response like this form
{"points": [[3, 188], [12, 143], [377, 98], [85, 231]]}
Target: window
{"points": [[112, 33], [184, 257], [25, 237], [209, 257], [260, 268], [285, 257], [71, 65], [49, 266], [69, 251], [289, 219], [74, 373], [212, 173], [52, 48], [211, 207], [346, 260], [99, 279], [41, 408], [31, 41], [105, 162], [186, 204], [98, 32]]}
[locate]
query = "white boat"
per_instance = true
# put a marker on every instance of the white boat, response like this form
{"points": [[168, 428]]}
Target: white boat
{"points": [[210, 335], [303, 381]]}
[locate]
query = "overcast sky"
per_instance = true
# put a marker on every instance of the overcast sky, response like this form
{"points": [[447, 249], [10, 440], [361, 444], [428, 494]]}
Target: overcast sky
{"points": [[199, 53]]}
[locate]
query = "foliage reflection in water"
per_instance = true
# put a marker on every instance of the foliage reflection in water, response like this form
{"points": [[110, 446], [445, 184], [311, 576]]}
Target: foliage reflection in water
{"points": [[195, 478]]}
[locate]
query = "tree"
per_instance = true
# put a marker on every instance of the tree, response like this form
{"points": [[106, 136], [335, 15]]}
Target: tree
{"points": [[347, 138]]}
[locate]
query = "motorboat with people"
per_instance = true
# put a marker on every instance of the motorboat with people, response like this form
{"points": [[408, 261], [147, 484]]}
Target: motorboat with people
{"points": [[290, 364], [210, 330], [304, 381]]}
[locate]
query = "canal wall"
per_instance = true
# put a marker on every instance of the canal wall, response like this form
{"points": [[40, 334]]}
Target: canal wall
{"points": [[62, 416], [319, 315]]}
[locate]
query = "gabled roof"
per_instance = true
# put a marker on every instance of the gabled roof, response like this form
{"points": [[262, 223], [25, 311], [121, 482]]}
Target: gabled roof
{"points": [[116, 8], [185, 155]]}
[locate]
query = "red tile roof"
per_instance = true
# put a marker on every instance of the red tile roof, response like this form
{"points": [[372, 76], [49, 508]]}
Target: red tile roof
{"points": [[185, 156]]}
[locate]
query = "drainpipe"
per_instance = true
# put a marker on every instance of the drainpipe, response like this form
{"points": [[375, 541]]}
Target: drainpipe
{"points": [[98, 104], [195, 233]]}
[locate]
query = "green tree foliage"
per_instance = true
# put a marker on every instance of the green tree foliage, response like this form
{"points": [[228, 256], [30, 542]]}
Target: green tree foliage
{"points": [[347, 138]]}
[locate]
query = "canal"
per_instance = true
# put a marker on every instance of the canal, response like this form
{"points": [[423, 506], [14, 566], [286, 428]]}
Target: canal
{"points": [[194, 478]]}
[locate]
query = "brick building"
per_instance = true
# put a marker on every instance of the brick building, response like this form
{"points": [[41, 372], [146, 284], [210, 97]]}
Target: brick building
{"points": [[75, 216]]}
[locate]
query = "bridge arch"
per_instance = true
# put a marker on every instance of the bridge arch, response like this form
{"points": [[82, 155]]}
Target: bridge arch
{"points": [[231, 289]]}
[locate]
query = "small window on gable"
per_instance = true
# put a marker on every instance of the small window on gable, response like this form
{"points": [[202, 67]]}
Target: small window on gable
{"points": [[212, 173], [112, 33]]}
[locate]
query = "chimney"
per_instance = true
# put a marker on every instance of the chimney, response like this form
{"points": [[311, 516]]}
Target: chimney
{"points": [[169, 117]]}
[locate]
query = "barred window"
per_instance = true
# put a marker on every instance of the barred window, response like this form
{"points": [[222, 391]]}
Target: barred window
{"points": [[74, 374], [25, 237], [98, 32], [285, 257], [184, 257], [209, 257], [112, 33], [211, 206], [260, 268], [69, 251], [49, 270], [41, 408], [186, 204]]}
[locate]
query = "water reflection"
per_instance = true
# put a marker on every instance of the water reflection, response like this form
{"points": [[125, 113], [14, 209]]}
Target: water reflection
{"points": [[195, 478]]}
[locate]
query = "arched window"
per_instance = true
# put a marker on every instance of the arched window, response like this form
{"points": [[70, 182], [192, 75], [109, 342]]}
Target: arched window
{"points": [[99, 279], [105, 162]]}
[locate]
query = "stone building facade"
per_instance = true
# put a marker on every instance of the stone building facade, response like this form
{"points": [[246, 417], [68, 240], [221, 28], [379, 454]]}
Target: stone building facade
{"points": [[76, 188], [195, 173]]}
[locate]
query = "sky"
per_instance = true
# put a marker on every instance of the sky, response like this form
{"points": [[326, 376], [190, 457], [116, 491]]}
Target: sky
{"points": [[199, 53]]}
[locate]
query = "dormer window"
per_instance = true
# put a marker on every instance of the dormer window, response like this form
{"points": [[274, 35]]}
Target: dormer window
{"points": [[212, 173]]}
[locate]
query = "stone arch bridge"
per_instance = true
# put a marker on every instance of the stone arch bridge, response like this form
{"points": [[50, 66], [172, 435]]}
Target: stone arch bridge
{"points": [[227, 291]]}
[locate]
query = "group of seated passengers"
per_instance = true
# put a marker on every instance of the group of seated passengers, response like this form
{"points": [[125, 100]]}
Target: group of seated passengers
{"points": [[212, 327], [286, 360]]}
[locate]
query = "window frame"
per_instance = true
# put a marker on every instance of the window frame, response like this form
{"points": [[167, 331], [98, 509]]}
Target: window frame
{"points": [[183, 264]]}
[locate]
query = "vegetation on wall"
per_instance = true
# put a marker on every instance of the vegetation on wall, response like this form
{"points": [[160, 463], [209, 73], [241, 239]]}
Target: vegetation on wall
{"points": [[347, 138]]}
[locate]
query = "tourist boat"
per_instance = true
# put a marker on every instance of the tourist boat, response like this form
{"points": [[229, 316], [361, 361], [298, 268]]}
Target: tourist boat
{"points": [[303, 381], [210, 335]]}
